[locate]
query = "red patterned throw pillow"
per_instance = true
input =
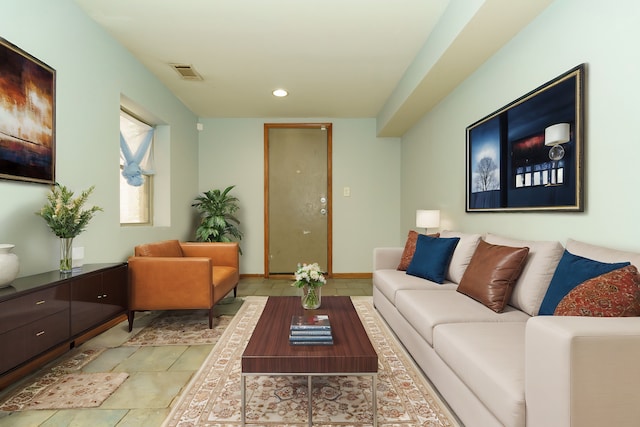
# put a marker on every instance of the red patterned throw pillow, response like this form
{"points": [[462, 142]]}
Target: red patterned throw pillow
{"points": [[410, 249], [613, 294]]}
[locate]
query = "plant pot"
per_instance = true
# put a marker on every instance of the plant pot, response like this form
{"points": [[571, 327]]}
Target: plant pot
{"points": [[311, 297]]}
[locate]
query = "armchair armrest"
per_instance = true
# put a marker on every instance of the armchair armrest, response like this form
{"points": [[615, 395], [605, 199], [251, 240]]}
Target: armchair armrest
{"points": [[386, 258], [170, 283], [582, 371], [221, 253]]}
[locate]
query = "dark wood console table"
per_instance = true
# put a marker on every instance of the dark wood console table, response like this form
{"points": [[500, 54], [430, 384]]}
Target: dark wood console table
{"points": [[45, 315]]}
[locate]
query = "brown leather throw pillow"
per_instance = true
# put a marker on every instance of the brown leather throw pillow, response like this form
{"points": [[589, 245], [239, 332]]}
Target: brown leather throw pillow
{"points": [[492, 273]]}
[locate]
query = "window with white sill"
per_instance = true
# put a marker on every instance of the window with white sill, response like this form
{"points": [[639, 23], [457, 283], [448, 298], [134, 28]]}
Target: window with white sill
{"points": [[136, 170]]}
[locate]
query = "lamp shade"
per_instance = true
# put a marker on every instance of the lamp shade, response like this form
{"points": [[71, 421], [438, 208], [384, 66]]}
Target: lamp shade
{"points": [[557, 134], [427, 218]]}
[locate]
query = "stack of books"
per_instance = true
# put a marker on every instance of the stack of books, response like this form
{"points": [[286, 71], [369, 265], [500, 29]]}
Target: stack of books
{"points": [[310, 330]]}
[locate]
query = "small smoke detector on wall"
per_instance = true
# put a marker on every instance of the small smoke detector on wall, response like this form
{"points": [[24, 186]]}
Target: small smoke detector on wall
{"points": [[186, 71]]}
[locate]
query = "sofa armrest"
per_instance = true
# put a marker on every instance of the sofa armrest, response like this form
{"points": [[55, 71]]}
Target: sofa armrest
{"points": [[582, 371], [221, 253], [168, 282], [386, 258]]}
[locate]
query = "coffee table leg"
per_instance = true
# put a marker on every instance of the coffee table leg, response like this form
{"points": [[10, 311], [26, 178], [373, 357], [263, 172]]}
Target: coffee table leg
{"points": [[243, 397], [309, 382]]}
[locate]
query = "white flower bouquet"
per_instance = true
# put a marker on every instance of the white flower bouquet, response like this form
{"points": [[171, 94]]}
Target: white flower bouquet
{"points": [[310, 277]]}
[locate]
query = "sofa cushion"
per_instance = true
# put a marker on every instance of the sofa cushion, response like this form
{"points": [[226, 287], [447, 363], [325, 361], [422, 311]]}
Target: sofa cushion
{"points": [[571, 271], [389, 282], [424, 310], [432, 257], [536, 275], [601, 253], [489, 359], [491, 274], [462, 255], [613, 294], [410, 248], [167, 248]]}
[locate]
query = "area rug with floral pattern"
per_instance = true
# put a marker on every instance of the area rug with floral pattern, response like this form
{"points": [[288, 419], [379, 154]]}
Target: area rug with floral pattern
{"points": [[187, 327], [404, 397], [65, 386]]}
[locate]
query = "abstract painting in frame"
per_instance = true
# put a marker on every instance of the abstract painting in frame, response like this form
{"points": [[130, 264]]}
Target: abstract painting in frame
{"points": [[515, 159], [27, 116]]}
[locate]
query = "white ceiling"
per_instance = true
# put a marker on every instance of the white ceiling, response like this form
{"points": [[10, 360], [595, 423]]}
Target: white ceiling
{"points": [[337, 58]]}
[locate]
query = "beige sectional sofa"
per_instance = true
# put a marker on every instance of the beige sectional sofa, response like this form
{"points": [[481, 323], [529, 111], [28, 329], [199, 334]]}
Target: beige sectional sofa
{"points": [[514, 367]]}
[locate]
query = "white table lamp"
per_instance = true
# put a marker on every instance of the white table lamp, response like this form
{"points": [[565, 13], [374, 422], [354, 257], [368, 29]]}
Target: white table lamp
{"points": [[427, 219]]}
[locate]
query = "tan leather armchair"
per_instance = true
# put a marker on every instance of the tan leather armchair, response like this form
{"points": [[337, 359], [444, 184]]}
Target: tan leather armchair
{"points": [[173, 275]]}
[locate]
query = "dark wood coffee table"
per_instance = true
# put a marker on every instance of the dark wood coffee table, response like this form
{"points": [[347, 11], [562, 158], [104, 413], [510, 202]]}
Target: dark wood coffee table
{"points": [[269, 352]]}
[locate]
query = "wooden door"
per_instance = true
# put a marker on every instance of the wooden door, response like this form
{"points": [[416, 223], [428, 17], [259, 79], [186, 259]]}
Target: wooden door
{"points": [[297, 197]]}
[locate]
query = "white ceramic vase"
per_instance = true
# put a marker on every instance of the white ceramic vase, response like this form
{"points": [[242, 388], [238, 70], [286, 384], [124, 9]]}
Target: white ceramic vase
{"points": [[9, 264]]}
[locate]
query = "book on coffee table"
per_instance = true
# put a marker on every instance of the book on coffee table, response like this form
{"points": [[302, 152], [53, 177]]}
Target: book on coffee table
{"points": [[311, 339], [310, 330], [311, 322], [311, 342]]}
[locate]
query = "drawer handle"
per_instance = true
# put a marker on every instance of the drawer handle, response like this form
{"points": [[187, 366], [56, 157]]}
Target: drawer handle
{"points": [[40, 302], [104, 296], [39, 334]]}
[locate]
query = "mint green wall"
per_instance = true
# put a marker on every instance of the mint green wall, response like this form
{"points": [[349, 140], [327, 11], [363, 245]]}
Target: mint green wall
{"points": [[93, 71], [569, 32], [425, 170], [232, 153]]}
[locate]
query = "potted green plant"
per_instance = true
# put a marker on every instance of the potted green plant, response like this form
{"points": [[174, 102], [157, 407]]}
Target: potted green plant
{"points": [[218, 222]]}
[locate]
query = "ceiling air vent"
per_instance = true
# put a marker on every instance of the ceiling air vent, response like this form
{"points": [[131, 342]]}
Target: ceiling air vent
{"points": [[187, 72]]}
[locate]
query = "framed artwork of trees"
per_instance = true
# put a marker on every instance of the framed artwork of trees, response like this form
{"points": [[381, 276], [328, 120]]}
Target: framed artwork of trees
{"points": [[528, 156]]}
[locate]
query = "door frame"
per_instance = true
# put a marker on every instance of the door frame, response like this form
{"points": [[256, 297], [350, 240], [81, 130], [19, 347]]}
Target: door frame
{"points": [[329, 130]]}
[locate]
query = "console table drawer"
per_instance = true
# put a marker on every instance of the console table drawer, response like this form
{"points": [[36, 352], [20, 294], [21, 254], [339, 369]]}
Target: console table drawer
{"points": [[29, 308], [32, 339], [45, 333]]}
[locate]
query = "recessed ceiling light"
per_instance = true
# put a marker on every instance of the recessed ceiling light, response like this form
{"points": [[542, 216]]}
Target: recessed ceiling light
{"points": [[280, 93]]}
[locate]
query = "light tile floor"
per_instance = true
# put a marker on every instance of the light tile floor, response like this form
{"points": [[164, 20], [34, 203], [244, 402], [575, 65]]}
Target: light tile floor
{"points": [[157, 375]]}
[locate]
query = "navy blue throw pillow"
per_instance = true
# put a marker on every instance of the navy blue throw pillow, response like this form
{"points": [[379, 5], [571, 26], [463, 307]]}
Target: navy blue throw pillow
{"points": [[572, 270], [432, 257]]}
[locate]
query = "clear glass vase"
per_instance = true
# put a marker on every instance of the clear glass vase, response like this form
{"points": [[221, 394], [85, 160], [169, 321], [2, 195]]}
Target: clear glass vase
{"points": [[66, 258], [311, 297]]}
